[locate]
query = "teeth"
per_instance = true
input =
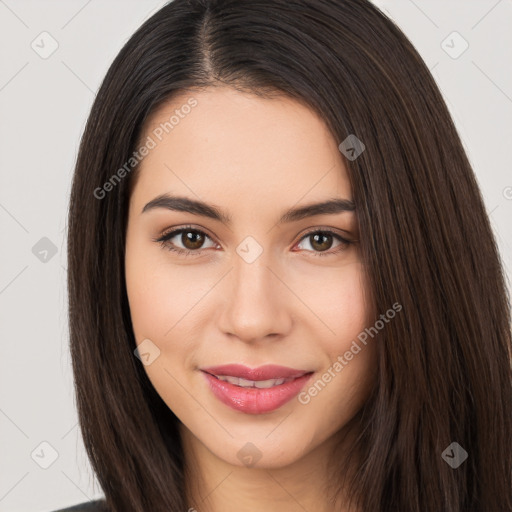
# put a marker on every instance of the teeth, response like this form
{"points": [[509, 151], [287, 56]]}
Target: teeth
{"points": [[231, 380], [260, 384], [268, 383]]}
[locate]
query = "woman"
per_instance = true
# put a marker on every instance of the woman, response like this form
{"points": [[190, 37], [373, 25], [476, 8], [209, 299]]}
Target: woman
{"points": [[284, 290]]}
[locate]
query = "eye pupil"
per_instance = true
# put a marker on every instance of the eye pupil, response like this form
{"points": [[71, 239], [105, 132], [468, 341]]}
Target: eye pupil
{"points": [[321, 246], [193, 237]]}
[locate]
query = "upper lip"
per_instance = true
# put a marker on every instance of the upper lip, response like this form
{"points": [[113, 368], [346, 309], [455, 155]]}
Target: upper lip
{"points": [[265, 372]]}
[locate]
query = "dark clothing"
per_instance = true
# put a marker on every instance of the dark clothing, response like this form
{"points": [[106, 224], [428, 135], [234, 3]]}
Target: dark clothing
{"points": [[88, 506]]}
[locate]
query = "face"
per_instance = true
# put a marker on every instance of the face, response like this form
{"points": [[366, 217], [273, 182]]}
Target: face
{"points": [[240, 283]]}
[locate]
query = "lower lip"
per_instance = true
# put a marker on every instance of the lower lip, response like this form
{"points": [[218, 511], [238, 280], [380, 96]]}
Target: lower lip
{"points": [[254, 400]]}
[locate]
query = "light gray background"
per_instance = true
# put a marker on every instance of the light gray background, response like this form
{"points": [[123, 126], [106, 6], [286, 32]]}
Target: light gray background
{"points": [[43, 106]]}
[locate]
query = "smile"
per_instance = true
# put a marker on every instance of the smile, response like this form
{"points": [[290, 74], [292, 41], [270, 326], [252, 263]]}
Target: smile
{"points": [[269, 388], [260, 384]]}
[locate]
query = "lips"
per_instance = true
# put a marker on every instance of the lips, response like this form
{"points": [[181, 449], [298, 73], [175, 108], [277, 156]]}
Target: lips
{"points": [[266, 372], [255, 390]]}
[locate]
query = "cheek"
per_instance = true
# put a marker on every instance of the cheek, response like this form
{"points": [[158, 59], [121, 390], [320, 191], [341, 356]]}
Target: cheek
{"points": [[159, 301], [160, 295], [150, 297], [348, 309], [337, 298], [342, 310], [166, 306]]}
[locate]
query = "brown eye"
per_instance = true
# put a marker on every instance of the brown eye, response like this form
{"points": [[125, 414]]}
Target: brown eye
{"points": [[322, 240], [186, 241], [192, 239]]}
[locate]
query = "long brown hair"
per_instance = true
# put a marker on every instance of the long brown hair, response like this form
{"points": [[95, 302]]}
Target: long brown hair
{"points": [[444, 362]]}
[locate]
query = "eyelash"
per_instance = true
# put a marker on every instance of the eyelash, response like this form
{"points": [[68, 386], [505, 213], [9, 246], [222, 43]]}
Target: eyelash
{"points": [[164, 241]]}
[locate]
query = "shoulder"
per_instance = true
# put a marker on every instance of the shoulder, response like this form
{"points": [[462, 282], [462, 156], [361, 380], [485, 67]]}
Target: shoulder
{"points": [[87, 506]]}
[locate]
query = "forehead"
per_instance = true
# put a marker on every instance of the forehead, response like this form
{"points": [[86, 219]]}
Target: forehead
{"points": [[239, 148]]}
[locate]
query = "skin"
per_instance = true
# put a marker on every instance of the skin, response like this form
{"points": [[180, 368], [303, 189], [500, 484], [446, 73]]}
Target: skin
{"points": [[253, 158]]}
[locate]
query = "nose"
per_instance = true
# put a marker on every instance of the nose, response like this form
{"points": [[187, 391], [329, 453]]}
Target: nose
{"points": [[256, 304]]}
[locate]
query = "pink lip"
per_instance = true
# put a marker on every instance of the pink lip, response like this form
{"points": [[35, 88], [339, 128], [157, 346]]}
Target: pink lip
{"points": [[255, 400], [268, 371]]}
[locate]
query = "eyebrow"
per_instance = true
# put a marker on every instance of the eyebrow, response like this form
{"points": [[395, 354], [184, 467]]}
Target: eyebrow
{"points": [[185, 204]]}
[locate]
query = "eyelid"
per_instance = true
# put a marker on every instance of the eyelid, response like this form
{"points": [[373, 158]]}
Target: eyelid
{"points": [[164, 238], [199, 228], [316, 229], [185, 227], [174, 231]]}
